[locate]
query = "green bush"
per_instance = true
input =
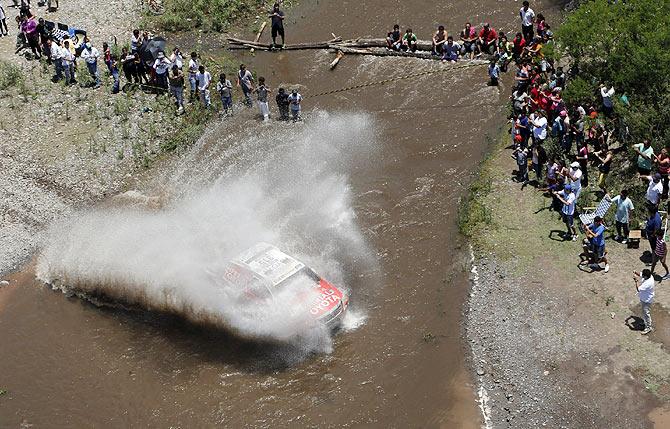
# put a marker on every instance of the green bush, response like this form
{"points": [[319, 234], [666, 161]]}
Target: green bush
{"points": [[10, 75], [208, 15]]}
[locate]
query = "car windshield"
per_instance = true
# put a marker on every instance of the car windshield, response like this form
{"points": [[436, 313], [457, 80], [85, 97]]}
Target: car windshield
{"points": [[243, 280], [305, 278]]}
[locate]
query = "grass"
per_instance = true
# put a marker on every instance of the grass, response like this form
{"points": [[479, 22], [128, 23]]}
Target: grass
{"points": [[10, 76]]}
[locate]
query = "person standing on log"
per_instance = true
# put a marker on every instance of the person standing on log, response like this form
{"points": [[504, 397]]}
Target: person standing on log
{"points": [[277, 17]]}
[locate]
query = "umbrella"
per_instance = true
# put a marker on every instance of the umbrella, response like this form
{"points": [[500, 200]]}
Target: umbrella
{"points": [[149, 50]]}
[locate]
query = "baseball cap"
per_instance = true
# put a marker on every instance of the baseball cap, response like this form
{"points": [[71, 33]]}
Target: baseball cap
{"points": [[567, 188], [574, 165], [657, 176]]}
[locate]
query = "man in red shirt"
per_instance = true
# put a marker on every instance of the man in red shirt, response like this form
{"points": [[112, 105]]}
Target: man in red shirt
{"points": [[487, 40]]}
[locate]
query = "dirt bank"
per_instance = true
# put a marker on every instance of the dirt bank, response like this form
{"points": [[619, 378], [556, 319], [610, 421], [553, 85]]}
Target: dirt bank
{"points": [[549, 342]]}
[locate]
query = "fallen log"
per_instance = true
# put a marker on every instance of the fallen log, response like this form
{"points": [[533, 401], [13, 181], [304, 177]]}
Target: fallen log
{"points": [[260, 31], [296, 46], [421, 45]]}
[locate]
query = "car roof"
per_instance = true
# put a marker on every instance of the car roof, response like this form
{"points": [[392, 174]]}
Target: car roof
{"points": [[268, 262]]}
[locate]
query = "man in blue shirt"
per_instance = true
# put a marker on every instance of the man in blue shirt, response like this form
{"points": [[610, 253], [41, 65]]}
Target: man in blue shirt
{"points": [[653, 225], [596, 233]]}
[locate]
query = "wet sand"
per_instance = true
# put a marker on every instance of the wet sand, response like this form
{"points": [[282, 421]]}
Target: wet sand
{"points": [[68, 363]]}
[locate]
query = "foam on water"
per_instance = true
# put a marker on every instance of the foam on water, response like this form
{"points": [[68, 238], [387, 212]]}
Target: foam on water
{"points": [[287, 185]]}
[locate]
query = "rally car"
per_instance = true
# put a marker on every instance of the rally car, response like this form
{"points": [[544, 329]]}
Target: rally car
{"points": [[262, 273]]}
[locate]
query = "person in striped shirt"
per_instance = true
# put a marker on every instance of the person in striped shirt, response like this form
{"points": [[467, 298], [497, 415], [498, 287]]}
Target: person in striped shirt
{"points": [[660, 252]]}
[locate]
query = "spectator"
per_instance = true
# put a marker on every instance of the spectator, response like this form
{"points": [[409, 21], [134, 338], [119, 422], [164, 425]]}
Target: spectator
{"points": [[468, 41], [225, 90], [56, 59], [114, 72], [494, 73], [487, 40], [521, 156], [176, 59], [245, 80], [574, 176], [608, 106], [193, 66], [161, 66], [295, 100], [660, 251], [68, 63], [583, 160], [518, 46], [527, 18], [409, 41], [176, 80], [135, 41], [567, 197], [654, 189], [653, 225], [29, 29], [128, 64], [450, 50], [542, 25], [605, 156], [393, 39], [107, 56], [663, 161], [204, 78], [624, 207], [90, 55], [4, 31], [439, 39], [277, 17], [539, 122], [645, 156], [45, 36], [596, 234], [282, 104], [539, 159], [645, 292], [262, 92]]}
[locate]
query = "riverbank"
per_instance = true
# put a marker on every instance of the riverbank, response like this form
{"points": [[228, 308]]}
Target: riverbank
{"points": [[548, 340]]}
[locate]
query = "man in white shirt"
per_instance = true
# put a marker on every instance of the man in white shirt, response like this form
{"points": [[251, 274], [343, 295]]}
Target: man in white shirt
{"points": [[645, 291], [245, 80], [204, 79], [606, 94], [162, 66], [539, 127], [56, 59], [527, 18], [90, 55], [295, 100], [575, 178], [654, 190], [68, 62]]}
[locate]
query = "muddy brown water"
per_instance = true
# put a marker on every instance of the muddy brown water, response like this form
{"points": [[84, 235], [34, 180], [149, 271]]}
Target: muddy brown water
{"points": [[67, 363]]}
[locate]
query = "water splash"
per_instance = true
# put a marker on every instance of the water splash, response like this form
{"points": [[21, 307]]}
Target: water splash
{"points": [[287, 185]]}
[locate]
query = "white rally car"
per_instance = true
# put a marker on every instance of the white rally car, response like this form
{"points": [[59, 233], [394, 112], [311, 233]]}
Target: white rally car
{"points": [[263, 272]]}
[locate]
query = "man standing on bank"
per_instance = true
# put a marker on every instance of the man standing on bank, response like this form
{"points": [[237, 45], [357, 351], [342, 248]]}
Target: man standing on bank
{"points": [[645, 292], [277, 17], [527, 18]]}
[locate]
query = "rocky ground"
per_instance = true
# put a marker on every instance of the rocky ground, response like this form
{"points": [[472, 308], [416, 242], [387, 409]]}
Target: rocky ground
{"points": [[63, 147], [550, 345]]}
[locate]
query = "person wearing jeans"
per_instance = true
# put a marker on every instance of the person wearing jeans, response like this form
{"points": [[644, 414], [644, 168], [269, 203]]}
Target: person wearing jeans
{"points": [[624, 206], [90, 55]]}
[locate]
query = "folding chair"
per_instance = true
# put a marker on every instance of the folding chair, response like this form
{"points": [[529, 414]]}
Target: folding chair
{"points": [[590, 213]]}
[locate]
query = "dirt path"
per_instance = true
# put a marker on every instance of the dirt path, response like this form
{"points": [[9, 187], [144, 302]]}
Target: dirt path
{"points": [[549, 341]]}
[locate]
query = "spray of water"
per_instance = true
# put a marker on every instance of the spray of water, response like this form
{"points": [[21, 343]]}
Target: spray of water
{"points": [[286, 185]]}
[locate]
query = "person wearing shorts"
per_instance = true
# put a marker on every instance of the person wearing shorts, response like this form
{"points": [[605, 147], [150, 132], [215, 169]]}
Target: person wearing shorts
{"points": [[596, 233], [660, 252], [277, 17]]}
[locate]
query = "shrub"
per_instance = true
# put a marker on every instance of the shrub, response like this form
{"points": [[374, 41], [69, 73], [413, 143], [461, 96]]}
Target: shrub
{"points": [[209, 15], [10, 75]]}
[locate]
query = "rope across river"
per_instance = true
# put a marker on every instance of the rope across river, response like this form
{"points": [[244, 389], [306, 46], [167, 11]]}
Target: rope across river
{"points": [[396, 78]]}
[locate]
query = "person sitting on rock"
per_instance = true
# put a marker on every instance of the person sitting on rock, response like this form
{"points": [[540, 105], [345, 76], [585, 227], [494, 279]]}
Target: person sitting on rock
{"points": [[468, 40], [450, 50], [487, 40], [409, 41], [393, 38], [439, 39]]}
